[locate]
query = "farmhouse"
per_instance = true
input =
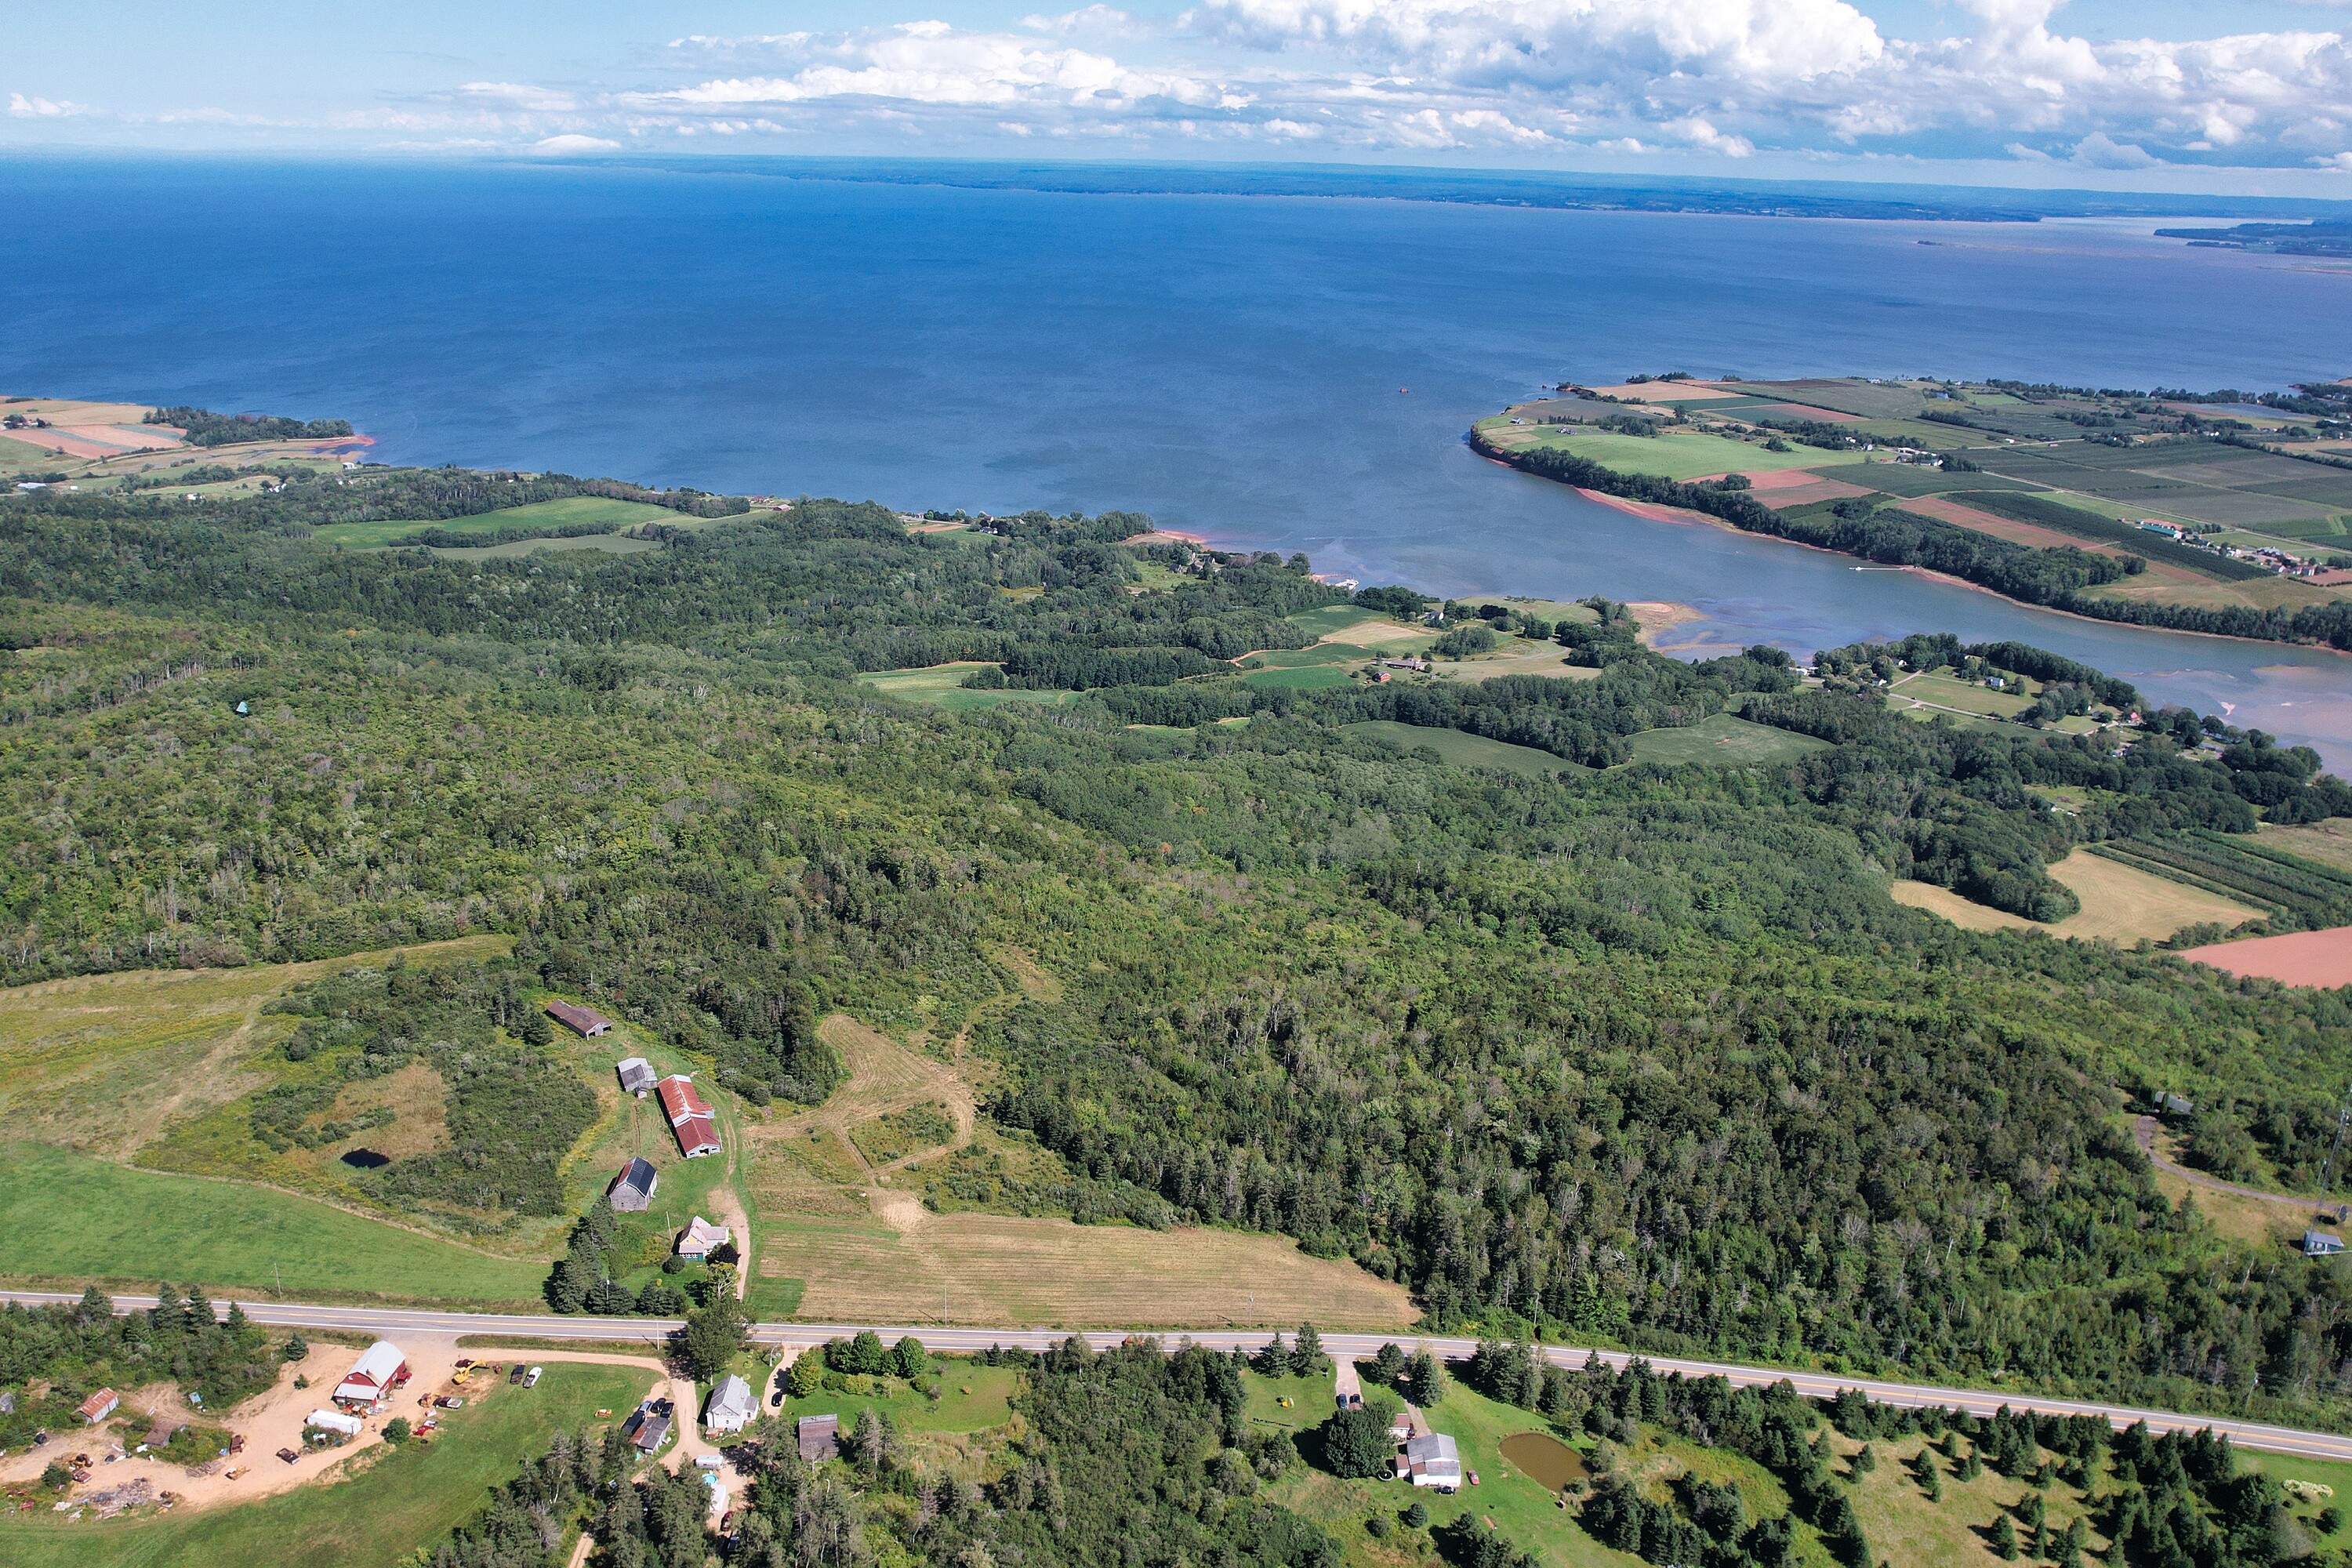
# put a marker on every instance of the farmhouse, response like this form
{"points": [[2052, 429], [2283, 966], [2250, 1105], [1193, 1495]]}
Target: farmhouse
{"points": [[820, 1439], [98, 1406], [380, 1369], [578, 1019], [633, 1189], [730, 1406], [1431, 1461], [636, 1076], [698, 1241], [690, 1117], [2321, 1244]]}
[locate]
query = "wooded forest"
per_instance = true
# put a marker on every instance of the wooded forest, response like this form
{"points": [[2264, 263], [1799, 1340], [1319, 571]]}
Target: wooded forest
{"points": [[1644, 1054]]}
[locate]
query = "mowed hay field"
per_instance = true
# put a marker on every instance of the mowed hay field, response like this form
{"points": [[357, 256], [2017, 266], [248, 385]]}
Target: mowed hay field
{"points": [[571, 512], [101, 1062], [2120, 903], [1014, 1270], [941, 686], [842, 1238], [94, 1069]]}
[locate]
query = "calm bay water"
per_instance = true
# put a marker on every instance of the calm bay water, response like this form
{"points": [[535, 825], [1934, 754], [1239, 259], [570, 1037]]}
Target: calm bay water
{"points": [[1289, 373]]}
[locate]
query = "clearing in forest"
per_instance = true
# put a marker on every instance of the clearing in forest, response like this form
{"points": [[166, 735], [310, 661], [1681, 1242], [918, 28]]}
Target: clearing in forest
{"points": [[2120, 903], [860, 1235]]}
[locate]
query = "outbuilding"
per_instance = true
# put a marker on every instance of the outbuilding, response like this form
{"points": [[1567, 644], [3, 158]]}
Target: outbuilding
{"points": [[637, 1076], [820, 1439], [380, 1369], [633, 1188], [335, 1421], [691, 1120], [730, 1406], [2321, 1244], [647, 1430], [584, 1021], [98, 1406]]}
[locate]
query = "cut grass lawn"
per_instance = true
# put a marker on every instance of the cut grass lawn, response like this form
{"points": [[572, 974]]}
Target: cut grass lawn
{"points": [[1940, 689], [410, 1497], [989, 1403], [1525, 1512], [67, 1219], [572, 511], [1465, 751], [1722, 740], [941, 686], [2120, 903]]}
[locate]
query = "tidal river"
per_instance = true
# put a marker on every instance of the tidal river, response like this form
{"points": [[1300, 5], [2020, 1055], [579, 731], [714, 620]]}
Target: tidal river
{"points": [[1288, 372]]}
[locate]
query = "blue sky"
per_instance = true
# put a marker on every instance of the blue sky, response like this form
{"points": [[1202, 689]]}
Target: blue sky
{"points": [[2250, 96]]}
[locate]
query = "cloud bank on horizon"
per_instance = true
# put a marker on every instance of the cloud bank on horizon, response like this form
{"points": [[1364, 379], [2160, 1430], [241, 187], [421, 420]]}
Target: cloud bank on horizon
{"points": [[1714, 82]]}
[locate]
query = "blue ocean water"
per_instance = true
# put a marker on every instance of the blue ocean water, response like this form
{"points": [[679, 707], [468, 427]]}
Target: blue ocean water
{"points": [[1294, 373]]}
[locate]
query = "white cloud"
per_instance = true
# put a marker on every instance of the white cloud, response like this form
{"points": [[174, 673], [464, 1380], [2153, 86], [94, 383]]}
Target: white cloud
{"points": [[1715, 78], [2100, 151], [573, 142], [927, 64], [520, 95], [22, 108]]}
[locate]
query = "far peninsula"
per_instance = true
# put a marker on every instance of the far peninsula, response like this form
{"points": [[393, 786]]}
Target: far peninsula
{"points": [[2223, 513]]}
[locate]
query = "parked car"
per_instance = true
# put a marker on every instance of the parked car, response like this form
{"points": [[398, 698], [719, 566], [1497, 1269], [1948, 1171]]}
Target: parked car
{"points": [[531, 1378], [515, 1375], [448, 1401], [292, 1456]]}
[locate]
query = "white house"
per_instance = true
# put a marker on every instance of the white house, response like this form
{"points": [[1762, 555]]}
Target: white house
{"points": [[730, 1406], [1431, 1461]]}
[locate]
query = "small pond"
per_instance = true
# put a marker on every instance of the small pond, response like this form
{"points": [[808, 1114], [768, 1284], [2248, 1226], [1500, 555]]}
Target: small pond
{"points": [[366, 1160], [1545, 1459]]}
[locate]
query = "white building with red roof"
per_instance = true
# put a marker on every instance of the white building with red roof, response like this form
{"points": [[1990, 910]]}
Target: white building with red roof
{"points": [[691, 1116]]}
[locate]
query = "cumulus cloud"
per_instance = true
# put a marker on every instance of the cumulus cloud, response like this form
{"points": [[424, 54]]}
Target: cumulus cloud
{"points": [[1718, 78], [22, 108], [2100, 151], [927, 64]]}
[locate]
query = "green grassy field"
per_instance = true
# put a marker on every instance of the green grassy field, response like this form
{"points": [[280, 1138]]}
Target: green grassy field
{"points": [[569, 512], [941, 686], [1684, 453], [1465, 751], [1339, 618], [1943, 689], [988, 1405], [1529, 1514], [410, 1497], [66, 1218], [608, 543], [1722, 740], [1304, 678]]}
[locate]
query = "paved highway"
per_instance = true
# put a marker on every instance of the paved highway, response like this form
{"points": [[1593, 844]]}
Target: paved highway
{"points": [[394, 1321]]}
